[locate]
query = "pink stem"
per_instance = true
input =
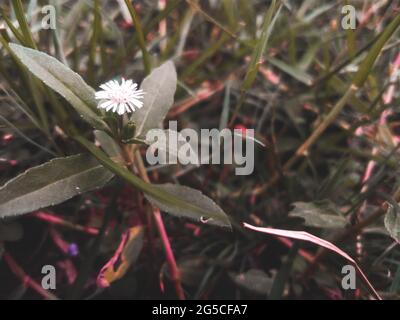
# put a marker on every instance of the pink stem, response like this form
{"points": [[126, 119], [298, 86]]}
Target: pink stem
{"points": [[27, 280], [175, 274], [56, 220]]}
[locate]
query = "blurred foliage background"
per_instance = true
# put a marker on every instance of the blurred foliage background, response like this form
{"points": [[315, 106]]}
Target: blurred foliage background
{"points": [[279, 67]]}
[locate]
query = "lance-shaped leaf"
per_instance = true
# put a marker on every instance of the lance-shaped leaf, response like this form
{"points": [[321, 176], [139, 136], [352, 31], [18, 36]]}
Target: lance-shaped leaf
{"points": [[319, 215], [109, 145], [213, 214], [63, 80], [177, 200], [159, 87], [305, 236], [51, 183]]}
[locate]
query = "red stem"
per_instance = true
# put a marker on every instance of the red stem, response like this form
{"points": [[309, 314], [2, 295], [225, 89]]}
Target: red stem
{"points": [[175, 274], [27, 280]]}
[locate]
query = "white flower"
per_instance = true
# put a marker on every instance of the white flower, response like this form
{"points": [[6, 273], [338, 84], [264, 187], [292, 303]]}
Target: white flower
{"points": [[120, 98]]}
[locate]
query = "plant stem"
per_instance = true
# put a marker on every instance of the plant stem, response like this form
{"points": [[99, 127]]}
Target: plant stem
{"points": [[302, 150], [358, 81], [23, 24], [27, 280], [140, 36], [175, 274], [352, 232]]}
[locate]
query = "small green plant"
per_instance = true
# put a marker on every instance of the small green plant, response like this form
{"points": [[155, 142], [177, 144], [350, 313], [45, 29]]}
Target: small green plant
{"points": [[44, 187], [316, 84]]}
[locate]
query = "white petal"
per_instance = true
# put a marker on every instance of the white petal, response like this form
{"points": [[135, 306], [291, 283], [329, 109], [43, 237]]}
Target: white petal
{"points": [[131, 106], [106, 104], [136, 102], [112, 105], [121, 109], [138, 94], [114, 92]]}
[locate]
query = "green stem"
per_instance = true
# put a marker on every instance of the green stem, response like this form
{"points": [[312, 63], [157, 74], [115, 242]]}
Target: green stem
{"points": [[140, 35], [147, 188], [358, 81], [20, 14]]}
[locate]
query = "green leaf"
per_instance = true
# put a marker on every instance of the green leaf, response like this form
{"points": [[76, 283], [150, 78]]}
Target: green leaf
{"points": [[51, 183], [140, 36], [213, 214], [358, 81], [63, 80], [366, 66], [109, 145], [259, 51], [392, 221], [318, 215], [293, 71], [159, 88], [177, 200], [23, 24]]}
